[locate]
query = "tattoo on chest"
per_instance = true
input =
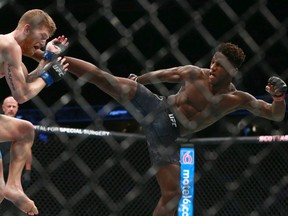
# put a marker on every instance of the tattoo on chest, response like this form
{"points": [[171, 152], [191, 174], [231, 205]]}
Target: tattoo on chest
{"points": [[10, 78]]}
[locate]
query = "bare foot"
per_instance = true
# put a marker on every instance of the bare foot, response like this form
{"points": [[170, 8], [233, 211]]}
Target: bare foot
{"points": [[20, 200]]}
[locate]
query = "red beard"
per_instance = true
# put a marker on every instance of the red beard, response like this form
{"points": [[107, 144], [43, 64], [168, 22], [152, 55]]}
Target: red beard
{"points": [[27, 47]]}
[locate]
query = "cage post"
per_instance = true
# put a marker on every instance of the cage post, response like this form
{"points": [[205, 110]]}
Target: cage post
{"points": [[187, 171]]}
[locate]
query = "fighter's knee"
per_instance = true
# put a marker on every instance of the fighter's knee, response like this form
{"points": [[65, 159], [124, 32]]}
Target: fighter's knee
{"points": [[26, 129], [168, 203], [172, 194], [28, 126]]}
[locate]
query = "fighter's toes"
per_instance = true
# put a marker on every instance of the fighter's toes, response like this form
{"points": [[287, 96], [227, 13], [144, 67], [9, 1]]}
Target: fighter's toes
{"points": [[33, 211]]}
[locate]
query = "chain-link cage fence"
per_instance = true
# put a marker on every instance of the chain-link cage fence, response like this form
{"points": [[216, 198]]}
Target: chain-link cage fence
{"points": [[107, 175], [85, 172]]}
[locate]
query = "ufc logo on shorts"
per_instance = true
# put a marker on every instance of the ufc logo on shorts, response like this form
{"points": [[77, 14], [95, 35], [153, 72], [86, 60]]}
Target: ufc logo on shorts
{"points": [[173, 120]]}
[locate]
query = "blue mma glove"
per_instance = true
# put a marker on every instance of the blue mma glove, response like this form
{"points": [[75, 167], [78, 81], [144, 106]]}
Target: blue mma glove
{"points": [[53, 74]]}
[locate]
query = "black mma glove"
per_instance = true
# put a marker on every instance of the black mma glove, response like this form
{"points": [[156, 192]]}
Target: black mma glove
{"points": [[133, 77], [279, 88], [53, 74]]}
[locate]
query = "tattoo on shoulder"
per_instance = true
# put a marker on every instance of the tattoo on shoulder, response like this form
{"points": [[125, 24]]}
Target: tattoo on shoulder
{"points": [[10, 79]]}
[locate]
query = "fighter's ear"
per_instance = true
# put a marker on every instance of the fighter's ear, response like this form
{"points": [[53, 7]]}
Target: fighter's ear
{"points": [[26, 28]]}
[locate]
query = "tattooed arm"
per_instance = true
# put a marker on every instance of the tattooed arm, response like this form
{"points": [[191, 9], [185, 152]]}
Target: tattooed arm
{"points": [[23, 86], [33, 75]]}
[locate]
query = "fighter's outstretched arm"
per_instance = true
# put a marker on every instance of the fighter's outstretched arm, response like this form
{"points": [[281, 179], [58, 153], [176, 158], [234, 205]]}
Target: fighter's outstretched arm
{"points": [[274, 111]]}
